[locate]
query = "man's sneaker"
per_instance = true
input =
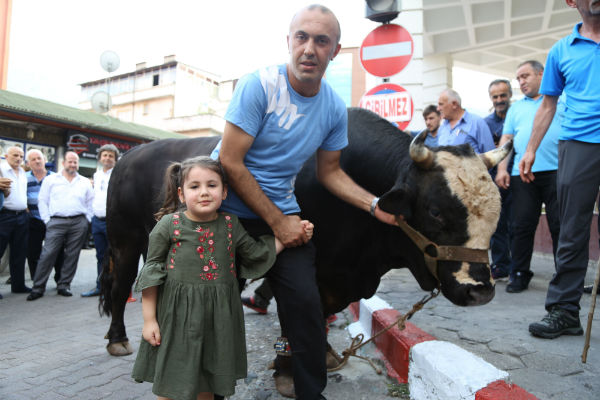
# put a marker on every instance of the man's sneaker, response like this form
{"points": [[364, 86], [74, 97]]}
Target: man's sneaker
{"points": [[499, 274], [519, 282], [255, 305], [557, 322]]}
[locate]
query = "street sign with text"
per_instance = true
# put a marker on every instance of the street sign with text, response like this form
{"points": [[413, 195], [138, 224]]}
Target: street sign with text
{"points": [[391, 102]]}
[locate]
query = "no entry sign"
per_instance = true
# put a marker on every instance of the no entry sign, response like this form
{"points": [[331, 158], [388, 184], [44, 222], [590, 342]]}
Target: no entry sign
{"points": [[390, 101], [386, 50]]}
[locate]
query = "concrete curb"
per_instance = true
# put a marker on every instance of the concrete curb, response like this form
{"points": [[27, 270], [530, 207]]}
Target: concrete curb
{"points": [[432, 368]]}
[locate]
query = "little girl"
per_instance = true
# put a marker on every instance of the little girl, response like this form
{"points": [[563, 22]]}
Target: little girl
{"points": [[193, 336]]}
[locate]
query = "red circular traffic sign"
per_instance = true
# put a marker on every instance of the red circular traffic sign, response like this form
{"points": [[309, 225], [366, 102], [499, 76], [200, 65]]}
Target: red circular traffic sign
{"points": [[386, 50], [391, 102]]}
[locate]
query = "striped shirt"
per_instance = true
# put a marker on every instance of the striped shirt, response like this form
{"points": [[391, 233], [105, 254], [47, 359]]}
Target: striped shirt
{"points": [[33, 191]]}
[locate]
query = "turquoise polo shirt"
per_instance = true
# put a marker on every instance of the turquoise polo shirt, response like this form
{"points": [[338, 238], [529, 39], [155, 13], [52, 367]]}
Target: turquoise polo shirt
{"points": [[519, 122], [573, 67]]}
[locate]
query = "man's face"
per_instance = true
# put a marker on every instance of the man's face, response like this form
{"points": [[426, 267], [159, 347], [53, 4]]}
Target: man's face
{"points": [[107, 160], [586, 7], [500, 96], [432, 121], [445, 107], [14, 157], [36, 161], [312, 43], [529, 80], [71, 163]]}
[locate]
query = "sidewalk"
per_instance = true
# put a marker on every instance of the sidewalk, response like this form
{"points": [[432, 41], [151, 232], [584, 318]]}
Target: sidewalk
{"points": [[498, 333]]}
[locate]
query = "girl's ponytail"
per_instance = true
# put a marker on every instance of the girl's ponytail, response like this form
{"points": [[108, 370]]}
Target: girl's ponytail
{"points": [[170, 186]]}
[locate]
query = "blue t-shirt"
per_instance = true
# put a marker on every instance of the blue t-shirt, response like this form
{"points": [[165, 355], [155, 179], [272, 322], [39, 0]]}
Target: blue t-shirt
{"points": [[287, 128], [471, 129], [431, 141], [573, 67], [519, 122]]}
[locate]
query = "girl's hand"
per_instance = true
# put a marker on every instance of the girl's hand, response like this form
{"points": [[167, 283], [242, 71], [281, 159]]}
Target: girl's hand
{"points": [[151, 333], [308, 228]]}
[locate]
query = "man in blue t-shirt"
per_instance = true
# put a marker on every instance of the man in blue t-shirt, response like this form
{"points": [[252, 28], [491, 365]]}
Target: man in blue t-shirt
{"points": [[460, 126], [529, 196], [278, 118], [572, 69]]}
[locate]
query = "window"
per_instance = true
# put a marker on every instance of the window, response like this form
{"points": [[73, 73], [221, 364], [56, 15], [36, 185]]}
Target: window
{"points": [[155, 80]]}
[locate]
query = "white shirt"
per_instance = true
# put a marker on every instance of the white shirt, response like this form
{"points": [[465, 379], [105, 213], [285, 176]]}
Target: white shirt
{"points": [[101, 179], [61, 198], [17, 199]]}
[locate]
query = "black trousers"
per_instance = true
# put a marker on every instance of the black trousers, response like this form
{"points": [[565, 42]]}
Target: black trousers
{"points": [[527, 207], [577, 187], [294, 284]]}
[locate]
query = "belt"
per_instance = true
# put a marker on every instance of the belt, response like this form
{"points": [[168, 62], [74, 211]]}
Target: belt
{"points": [[12, 212], [71, 217]]}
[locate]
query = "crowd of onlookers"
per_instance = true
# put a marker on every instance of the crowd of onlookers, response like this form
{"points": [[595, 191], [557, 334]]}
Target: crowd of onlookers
{"points": [[45, 217]]}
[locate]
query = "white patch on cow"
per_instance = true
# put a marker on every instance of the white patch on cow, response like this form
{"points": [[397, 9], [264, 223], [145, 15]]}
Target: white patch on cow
{"points": [[463, 277], [471, 183]]}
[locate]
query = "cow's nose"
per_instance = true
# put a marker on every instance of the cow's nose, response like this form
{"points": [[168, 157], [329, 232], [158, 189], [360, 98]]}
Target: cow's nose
{"points": [[479, 295]]}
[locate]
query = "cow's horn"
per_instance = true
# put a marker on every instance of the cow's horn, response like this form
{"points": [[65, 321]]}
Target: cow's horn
{"points": [[421, 154], [493, 157]]}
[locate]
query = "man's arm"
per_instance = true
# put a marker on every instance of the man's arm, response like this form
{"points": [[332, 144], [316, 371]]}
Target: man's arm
{"points": [[331, 175], [502, 173], [541, 123], [5, 186], [236, 143]]}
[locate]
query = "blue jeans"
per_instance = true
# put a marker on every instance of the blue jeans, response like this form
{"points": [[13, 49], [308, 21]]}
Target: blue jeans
{"points": [[100, 243]]}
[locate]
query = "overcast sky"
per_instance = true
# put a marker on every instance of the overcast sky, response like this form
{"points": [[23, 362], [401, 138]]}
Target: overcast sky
{"points": [[56, 45]]}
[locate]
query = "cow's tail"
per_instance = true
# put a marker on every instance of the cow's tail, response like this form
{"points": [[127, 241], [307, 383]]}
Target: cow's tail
{"points": [[106, 281]]}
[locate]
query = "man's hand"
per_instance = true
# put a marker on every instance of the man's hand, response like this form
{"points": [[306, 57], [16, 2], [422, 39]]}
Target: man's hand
{"points": [[502, 179], [290, 231], [5, 185], [525, 167], [151, 333], [385, 217]]}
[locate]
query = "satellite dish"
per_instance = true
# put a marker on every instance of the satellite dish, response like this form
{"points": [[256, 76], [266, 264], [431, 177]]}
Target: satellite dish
{"points": [[101, 102], [109, 60]]}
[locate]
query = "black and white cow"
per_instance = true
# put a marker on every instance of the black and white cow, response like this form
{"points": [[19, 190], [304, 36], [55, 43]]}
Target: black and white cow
{"points": [[445, 193]]}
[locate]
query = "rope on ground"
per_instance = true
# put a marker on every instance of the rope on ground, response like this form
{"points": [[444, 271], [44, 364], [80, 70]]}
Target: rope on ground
{"points": [[357, 341]]}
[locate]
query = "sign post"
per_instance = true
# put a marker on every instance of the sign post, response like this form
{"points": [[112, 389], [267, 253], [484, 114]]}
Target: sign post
{"points": [[386, 50], [391, 102]]}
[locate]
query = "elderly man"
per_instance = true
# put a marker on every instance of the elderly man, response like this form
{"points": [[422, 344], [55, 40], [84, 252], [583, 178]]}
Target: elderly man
{"points": [[529, 196], [460, 126], [107, 156], [65, 204], [37, 228], [14, 219]]}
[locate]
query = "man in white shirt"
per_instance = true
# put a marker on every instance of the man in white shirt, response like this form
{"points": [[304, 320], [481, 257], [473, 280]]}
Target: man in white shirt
{"points": [[107, 156], [14, 219], [65, 205]]}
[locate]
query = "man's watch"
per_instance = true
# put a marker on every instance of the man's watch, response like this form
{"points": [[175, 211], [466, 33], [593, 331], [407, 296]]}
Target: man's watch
{"points": [[373, 205]]}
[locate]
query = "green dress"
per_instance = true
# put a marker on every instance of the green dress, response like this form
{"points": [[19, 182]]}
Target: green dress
{"points": [[199, 312]]}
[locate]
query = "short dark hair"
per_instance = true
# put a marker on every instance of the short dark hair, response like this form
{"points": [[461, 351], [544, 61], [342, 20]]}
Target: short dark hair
{"points": [[110, 148], [535, 64], [499, 81], [429, 109]]}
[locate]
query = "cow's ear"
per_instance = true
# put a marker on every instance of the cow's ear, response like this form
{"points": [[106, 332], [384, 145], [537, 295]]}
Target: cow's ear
{"points": [[397, 201]]}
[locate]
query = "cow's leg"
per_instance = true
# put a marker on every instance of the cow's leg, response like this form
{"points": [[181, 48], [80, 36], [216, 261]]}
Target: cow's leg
{"points": [[126, 259]]}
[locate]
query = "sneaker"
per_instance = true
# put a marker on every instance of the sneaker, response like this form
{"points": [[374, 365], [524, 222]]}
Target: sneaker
{"points": [[520, 282], [557, 322], [253, 304], [499, 274], [588, 289]]}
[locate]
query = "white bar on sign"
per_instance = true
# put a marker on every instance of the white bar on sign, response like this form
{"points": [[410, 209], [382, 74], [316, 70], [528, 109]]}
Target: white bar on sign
{"points": [[397, 49]]}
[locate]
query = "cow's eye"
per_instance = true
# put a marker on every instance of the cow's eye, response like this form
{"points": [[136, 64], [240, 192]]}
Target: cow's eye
{"points": [[435, 213]]}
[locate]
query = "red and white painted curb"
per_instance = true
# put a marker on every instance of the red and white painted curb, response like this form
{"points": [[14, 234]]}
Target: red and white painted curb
{"points": [[432, 368]]}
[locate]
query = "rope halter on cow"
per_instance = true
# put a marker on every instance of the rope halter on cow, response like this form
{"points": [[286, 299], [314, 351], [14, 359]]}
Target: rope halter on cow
{"points": [[424, 158]]}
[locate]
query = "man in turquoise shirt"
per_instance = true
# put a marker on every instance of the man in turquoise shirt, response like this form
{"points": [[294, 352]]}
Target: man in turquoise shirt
{"points": [[572, 68], [528, 197]]}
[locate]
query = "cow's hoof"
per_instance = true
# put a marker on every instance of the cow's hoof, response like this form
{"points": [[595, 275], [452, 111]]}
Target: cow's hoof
{"points": [[284, 385], [333, 360], [119, 348]]}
